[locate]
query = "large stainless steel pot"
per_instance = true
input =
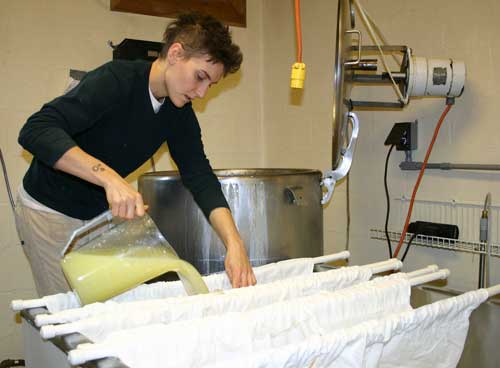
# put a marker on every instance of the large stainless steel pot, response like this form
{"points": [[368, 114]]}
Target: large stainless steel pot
{"points": [[277, 211]]}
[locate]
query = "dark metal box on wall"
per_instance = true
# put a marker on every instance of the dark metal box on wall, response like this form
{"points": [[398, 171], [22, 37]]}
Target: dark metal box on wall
{"points": [[130, 49]]}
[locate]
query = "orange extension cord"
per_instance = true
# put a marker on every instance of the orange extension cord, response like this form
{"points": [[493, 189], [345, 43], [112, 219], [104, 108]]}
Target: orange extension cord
{"points": [[298, 31], [419, 179]]}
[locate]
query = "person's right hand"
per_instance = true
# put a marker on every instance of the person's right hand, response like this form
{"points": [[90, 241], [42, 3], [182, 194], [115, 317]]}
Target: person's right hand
{"points": [[124, 200]]}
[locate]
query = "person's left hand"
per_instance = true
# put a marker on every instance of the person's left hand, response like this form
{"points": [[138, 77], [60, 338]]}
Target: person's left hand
{"points": [[238, 266]]}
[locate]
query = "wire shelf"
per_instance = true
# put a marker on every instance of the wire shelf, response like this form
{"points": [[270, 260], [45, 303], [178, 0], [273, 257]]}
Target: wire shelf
{"points": [[438, 242]]}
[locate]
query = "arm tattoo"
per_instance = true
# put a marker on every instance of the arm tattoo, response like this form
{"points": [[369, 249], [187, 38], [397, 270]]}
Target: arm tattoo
{"points": [[98, 167]]}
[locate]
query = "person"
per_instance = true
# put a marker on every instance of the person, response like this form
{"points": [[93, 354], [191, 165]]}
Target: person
{"points": [[85, 142]]}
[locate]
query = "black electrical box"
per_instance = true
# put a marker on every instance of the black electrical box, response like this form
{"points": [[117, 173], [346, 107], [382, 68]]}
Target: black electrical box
{"points": [[434, 229], [403, 136], [130, 49]]}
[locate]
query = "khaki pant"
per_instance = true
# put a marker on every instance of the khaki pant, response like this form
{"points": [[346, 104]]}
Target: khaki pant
{"points": [[44, 235]]}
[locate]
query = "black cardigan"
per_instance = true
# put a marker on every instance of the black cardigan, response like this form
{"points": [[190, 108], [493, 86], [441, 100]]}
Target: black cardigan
{"points": [[109, 115]]}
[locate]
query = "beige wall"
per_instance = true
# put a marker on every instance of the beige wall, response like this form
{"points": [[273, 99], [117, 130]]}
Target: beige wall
{"points": [[297, 123], [299, 135], [41, 41], [257, 121]]}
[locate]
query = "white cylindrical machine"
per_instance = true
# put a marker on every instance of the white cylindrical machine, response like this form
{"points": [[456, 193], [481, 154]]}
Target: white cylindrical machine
{"points": [[435, 77]]}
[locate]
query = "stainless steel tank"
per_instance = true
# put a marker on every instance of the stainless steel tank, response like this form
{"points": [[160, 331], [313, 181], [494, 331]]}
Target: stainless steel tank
{"points": [[277, 211]]}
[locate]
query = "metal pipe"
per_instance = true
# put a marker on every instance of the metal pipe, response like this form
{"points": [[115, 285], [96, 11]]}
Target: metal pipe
{"points": [[486, 239], [7, 184], [480, 282], [398, 76], [365, 64], [377, 78], [375, 104], [416, 165], [387, 48]]}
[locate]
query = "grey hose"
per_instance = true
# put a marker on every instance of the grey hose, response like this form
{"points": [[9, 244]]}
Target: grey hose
{"points": [[7, 184]]}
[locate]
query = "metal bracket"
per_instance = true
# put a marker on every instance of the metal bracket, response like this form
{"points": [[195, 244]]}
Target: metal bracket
{"points": [[332, 176]]}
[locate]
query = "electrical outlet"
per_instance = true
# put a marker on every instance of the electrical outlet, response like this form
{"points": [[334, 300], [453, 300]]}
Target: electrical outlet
{"points": [[403, 136]]}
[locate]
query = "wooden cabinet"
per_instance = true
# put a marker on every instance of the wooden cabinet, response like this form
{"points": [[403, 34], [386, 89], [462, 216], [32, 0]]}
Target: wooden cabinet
{"points": [[231, 12]]}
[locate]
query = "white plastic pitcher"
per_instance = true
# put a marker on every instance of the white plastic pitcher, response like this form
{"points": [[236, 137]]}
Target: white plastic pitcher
{"points": [[121, 258]]}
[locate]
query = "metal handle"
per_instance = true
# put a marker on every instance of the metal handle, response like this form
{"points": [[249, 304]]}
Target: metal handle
{"points": [[105, 216], [355, 62], [294, 195], [331, 177]]}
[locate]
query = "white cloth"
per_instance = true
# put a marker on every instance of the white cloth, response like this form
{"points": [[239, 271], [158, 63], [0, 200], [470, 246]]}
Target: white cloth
{"points": [[98, 320], [431, 336], [61, 301], [198, 342], [219, 281]]}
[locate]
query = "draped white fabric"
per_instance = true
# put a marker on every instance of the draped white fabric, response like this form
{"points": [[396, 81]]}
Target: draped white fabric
{"points": [[62, 301], [431, 336], [98, 320], [198, 342], [264, 274]]}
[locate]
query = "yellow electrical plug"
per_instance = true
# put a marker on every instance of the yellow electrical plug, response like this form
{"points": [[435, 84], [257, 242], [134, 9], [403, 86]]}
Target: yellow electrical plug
{"points": [[298, 75]]}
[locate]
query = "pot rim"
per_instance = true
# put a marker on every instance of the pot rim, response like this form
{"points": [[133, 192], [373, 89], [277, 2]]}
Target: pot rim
{"points": [[239, 172]]}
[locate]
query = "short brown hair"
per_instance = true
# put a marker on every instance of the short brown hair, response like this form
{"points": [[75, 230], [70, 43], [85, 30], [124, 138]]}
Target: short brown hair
{"points": [[201, 34]]}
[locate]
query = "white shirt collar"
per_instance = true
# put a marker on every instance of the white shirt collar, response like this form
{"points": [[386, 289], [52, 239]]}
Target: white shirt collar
{"points": [[154, 102]]}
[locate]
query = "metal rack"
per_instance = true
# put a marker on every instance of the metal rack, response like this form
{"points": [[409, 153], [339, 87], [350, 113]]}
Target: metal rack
{"points": [[438, 242], [53, 352]]}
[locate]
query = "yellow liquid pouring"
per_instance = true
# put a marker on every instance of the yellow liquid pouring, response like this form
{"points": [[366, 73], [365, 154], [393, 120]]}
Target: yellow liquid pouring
{"points": [[99, 274]]}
